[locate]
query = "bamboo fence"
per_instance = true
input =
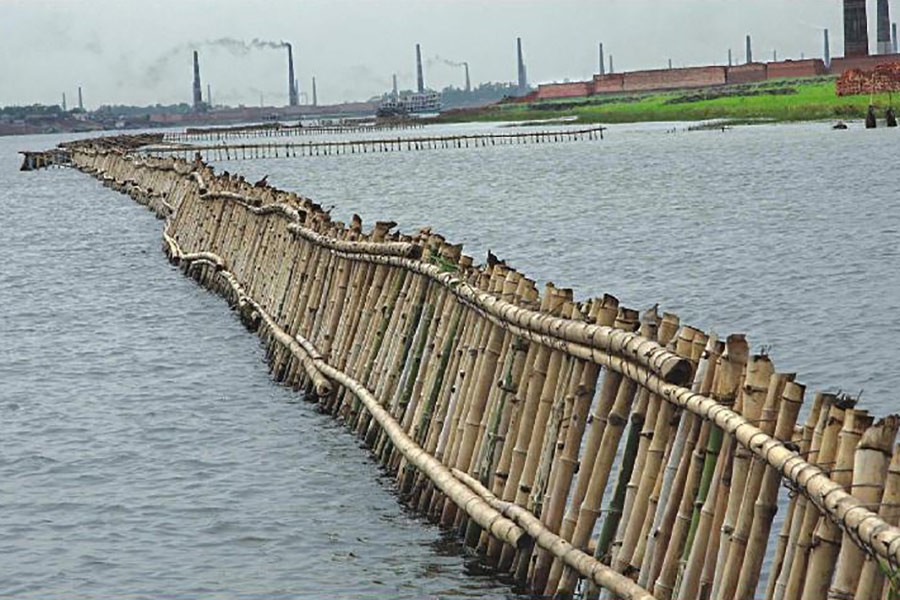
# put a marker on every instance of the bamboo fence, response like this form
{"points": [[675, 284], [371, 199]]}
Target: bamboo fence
{"points": [[247, 151], [578, 445], [269, 130]]}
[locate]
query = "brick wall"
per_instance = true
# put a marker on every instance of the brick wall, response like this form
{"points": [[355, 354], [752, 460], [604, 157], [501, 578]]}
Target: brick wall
{"points": [[609, 84], [749, 73], [841, 65], [574, 89], [793, 69], [670, 79]]}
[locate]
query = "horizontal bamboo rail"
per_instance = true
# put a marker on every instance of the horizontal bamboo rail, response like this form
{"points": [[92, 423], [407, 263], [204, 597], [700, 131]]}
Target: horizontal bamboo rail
{"points": [[475, 390], [247, 151], [269, 130]]}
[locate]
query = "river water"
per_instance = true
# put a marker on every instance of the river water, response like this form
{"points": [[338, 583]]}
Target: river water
{"points": [[145, 453]]}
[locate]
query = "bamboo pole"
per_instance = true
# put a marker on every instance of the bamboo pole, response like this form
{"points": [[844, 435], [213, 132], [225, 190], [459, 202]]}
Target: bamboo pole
{"points": [[692, 465], [810, 445], [871, 459], [871, 579], [766, 503], [796, 575], [724, 391], [674, 476], [755, 391], [827, 537]]}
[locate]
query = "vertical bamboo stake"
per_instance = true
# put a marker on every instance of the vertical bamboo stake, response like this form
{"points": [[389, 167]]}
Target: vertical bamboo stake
{"points": [[725, 390], [870, 464], [603, 312], [674, 476], [627, 321], [766, 503], [803, 438], [827, 537], [871, 579], [630, 554], [664, 586], [756, 383], [649, 404], [617, 418], [796, 575]]}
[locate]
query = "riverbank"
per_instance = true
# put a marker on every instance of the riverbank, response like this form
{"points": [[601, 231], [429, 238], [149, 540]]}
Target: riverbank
{"points": [[770, 101]]}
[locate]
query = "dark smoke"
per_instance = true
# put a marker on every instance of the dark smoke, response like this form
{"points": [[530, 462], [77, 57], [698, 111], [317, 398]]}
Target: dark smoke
{"points": [[158, 70], [444, 61]]}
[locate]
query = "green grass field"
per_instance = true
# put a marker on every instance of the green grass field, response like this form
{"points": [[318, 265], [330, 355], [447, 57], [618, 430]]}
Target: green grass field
{"points": [[813, 100]]}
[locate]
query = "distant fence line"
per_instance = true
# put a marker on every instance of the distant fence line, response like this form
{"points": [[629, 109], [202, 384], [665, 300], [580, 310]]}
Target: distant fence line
{"points": [[219, 152], [280, 130], [507, 413]]}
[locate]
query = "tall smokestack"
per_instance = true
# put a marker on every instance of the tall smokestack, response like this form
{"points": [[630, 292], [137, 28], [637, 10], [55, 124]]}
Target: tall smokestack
{"points": [[523, 76], [395, 91], [894, 37], [420, 77], [856, 28], [80, 101], [292, 81], [198, 95], [729, 57], [468, 82], [64, 102], [602, 62], [884, 28], [611, 70], [827, 55], [208, 95], [315, 96], [749, 51]]}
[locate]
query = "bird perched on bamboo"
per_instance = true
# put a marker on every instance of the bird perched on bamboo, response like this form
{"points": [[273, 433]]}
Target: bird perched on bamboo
{"points": [[264, 182], [492, 260]]}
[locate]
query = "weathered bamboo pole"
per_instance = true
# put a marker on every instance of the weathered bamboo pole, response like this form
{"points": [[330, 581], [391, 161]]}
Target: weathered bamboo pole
{"points": [[796, 574], [673, 480], [603, 312], [871, 459], [766, 502], [692, 463], [616, 418], [827, 536], [778, 576], [871, 579]]}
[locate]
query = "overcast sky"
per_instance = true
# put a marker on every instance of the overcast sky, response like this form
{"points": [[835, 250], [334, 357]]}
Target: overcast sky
{"points": [[138, 51]]}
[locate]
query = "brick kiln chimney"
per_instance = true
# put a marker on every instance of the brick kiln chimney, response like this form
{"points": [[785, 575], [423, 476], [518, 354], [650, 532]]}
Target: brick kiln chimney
{"points": [[602, 62], [749, 51], [884, 28], [826, 57], [420, 77], [856, 28], [468, 82], [198, 93], [292, 82], [315, 98], [523, 76]]}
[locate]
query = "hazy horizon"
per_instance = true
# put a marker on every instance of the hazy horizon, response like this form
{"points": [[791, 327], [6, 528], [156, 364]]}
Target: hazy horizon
{"points": [[126, 52]]}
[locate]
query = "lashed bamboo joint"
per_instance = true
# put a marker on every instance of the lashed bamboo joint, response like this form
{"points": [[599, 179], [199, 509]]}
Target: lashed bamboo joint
{"points": [[510, 415]]}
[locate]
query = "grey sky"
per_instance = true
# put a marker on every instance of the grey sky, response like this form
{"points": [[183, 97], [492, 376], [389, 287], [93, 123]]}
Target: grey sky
{"points": [[138, 52]]}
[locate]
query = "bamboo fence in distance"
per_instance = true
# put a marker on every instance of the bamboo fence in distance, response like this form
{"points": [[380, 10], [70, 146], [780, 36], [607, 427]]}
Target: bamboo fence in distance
{"points": [[573, 443]]}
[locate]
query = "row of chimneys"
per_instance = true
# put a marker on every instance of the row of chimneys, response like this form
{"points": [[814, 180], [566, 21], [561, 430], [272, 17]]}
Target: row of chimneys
{"points": [[856, 29], [856, 43], [293, 85]]}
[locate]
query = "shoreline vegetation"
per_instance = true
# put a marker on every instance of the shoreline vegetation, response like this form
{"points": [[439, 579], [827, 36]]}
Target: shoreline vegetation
{"points": [[766, 102]]}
